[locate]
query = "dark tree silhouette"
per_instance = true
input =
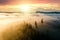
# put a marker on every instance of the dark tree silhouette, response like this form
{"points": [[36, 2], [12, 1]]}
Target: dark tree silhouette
{"points": [[36, 24], [42, 20]]}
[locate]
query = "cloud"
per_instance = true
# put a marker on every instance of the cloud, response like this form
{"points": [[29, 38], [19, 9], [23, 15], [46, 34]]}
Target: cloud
{"points": [[7, 2], [2, 2], [45, 1]]}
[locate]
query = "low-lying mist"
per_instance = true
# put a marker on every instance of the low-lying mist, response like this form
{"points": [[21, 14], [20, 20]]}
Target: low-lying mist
{"points": [[29, 27]]}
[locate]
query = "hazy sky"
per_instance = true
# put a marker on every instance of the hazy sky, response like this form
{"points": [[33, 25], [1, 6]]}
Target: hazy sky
{"points": [[7, 2], [52, 4]]}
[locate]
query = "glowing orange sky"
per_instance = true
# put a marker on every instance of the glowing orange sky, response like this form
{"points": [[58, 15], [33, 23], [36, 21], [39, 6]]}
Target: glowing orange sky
{"points": [[11, 2], [44, 4]]}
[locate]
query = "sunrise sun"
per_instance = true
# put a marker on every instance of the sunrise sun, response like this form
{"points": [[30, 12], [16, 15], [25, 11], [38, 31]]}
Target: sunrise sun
{"points": [[25, 8]]}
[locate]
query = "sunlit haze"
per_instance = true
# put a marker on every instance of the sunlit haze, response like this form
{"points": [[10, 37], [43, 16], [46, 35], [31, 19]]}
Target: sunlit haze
{"points": [[30, 7], [29, 19]]}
